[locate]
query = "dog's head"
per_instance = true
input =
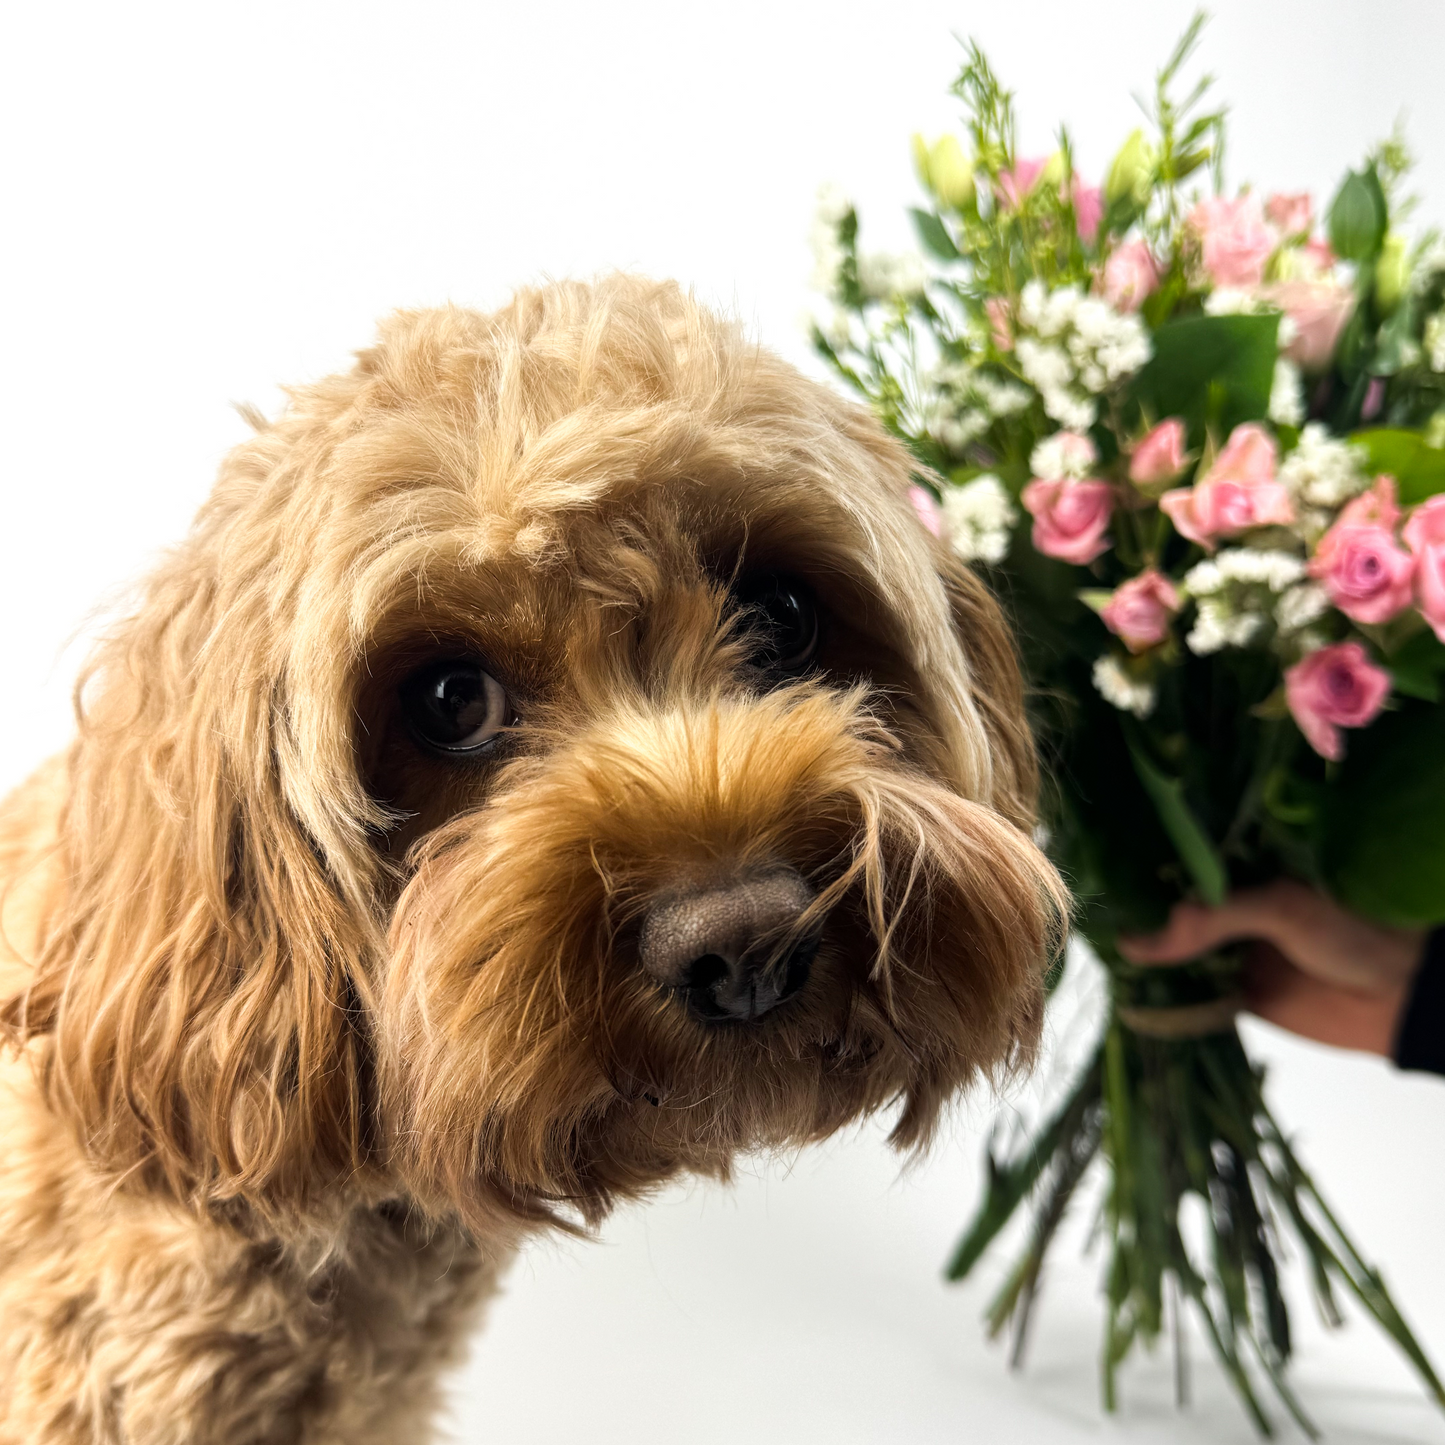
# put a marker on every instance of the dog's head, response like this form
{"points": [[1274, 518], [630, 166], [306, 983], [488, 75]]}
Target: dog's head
{"points": [[558, 757]]}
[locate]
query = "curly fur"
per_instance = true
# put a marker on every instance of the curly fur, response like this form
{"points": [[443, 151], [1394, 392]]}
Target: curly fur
{"points": [[310, 1027]]}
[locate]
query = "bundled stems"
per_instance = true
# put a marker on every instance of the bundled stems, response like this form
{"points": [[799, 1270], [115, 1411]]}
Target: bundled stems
{"points": [[1176, 1118]]}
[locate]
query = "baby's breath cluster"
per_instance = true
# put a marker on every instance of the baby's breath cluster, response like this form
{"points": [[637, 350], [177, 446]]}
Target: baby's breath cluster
{"points": [[1238, 593], [1072, 348], [966, 400], [980, 516]]}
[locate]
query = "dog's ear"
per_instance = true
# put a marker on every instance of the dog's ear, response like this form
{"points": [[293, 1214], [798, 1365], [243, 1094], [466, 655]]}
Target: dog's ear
{"points": [[196, 1005], [998, 689]]}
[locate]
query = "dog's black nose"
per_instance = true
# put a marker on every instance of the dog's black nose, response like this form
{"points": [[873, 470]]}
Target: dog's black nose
{"points": [[735, 951]]}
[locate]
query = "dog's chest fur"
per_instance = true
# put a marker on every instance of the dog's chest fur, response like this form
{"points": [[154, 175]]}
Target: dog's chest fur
{"points": [[126, 1319]]}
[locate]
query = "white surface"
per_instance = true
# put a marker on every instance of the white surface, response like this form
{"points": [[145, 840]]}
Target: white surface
{"points": [[202, 201], [805, 1305]]}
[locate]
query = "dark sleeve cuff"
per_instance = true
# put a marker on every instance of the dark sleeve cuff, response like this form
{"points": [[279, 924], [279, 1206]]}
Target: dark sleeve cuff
{"points": [[1420, 1038]]}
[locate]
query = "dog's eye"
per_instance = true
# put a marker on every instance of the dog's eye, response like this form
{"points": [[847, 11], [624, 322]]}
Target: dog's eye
{"points": [[782, 621], [455, 706]]}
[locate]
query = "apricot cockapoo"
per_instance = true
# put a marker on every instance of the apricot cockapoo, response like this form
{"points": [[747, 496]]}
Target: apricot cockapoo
{"points": [[557, 759]]}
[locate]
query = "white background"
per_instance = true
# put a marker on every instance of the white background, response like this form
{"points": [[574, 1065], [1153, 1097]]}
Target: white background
{"points": [[204, 201]]}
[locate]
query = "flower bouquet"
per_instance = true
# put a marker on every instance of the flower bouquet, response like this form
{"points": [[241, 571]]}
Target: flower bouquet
{"points": [[1196, 441]]}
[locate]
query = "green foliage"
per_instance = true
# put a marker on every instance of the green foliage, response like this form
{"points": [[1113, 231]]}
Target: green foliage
{"points": [[1214, 371], [933, 235], [1185, 831], [1418, 469], [1010, 1182], [1187, 139], [1359, 216], [1384, 821], [1417, 666]]}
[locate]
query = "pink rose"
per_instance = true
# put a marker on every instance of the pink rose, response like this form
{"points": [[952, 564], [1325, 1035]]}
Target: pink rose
{"points": [[1000, 322], [1333, 688], [1088, 209], [1378, 507], [1367, 576], [1130, 275], [1319, 310], [1292, 214], [1320, 254], [926, 508], [1249, 458], [1425, 537], [1238, 492], [1140, 609], [1014, 185], [1426, 527], [1234, 239], [1070, 517], [1160, 456]]}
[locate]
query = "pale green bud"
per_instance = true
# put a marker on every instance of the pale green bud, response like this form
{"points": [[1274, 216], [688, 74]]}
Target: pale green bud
{"points": [[952, 173], [920, 161], [944, 170], [1052, 174], [1392, 271], [1130, 172]]}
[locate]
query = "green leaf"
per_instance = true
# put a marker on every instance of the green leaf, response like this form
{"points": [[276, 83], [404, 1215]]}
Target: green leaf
{"points": [[1383, 843], [1417, 666], [1214, 371], [933, 234], [1197, 852], [1190, 161], [1010, 1183], [1417, 468], [1392, 343], [1358, 216]]}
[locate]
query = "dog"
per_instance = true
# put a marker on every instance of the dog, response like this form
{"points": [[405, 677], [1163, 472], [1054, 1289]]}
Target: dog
{"points": [[557, 759]]}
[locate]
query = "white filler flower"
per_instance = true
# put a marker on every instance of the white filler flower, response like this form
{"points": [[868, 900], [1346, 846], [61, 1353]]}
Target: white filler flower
{"points": [[1300, 606], [1286, 396], [1229, 587], [979, 515], [1218, 625], [1063, 455], [1323, 472], [885, 277], [1124, 692], [1073, 347]]}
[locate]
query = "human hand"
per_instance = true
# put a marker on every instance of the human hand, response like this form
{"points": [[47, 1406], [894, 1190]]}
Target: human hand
{"points": [[1311, 967]]}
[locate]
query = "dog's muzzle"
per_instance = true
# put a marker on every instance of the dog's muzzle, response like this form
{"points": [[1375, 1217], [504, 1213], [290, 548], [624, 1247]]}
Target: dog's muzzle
{"points": [[735, 952]]}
